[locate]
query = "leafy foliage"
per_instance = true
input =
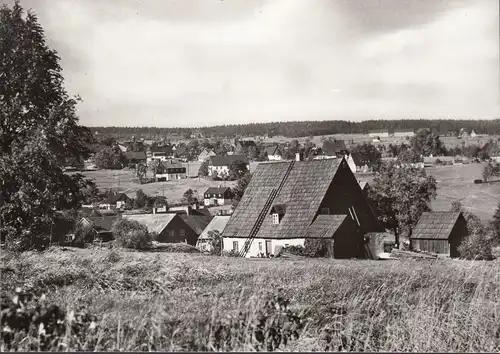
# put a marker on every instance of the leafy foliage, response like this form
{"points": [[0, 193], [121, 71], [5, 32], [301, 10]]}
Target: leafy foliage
{"points": [[495, 225], [316, 248], [237, 169], [203, 171], [39, 131], [400, 196], [215, 242], [370, 153], [189, 198], [240, 187], [491, 170], [426, 143], [131, 234], [110, 158]]}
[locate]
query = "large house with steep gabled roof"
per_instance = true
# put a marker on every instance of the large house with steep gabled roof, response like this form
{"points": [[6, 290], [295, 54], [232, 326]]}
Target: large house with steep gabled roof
{"points": [[282, 203]]}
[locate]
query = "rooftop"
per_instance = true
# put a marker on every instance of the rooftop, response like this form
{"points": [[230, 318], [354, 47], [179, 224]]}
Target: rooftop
{"points": [[435, 225]]}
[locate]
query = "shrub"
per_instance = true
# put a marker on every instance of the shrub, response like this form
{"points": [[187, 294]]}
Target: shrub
{"points": [[476, 246], [316, 248], [296, 250], [215, 242], [131, 234]]}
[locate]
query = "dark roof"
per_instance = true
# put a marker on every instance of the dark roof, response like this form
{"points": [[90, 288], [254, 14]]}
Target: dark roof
{"points": [[435, 225], [227, 160], [102, 223], [166, 149], [135, 155], [325, 226], [273, 150], [334, 147], [217, 190], [279, 209], [361, 159], [181, 150], [114, 197], [197, 223], [302, 192], [201, 212], [170, 164]]}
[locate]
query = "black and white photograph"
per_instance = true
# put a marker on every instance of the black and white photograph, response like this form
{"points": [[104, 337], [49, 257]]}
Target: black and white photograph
{"points": [[250, 175]]}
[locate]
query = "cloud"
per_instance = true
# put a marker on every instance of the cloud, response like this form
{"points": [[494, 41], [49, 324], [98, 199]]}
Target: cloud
{"points": [[192, 62]]}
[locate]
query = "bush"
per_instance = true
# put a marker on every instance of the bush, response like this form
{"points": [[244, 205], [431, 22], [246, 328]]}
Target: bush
{"points": [[316, 248], [131, 234], [215, 242], [175, 247], [295, 250], [476, 246]]}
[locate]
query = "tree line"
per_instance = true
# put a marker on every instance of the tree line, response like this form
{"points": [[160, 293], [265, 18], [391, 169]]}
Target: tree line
{"points": [[307, 128]]}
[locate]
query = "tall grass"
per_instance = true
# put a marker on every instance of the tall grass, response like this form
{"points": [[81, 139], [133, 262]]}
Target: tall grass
{"points": [[173, 301]]}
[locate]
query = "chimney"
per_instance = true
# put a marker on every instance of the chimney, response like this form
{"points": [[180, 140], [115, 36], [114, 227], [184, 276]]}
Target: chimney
{"points": [[297, 156]]}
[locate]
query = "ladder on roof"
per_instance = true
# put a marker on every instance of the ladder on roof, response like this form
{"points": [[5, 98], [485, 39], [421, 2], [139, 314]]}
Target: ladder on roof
{"points": [[262, 215]]}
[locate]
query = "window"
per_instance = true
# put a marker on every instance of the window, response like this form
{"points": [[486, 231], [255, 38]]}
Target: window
{"points": [[276, 219], [182, 233], [235, 246], [325, 211], [220, 195], [171, 233], [260, 246]]}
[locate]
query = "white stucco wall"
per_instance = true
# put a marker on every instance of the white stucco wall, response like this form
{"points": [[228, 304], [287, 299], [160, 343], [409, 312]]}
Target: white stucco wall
{"points": [[274, 157], [227, 245]]}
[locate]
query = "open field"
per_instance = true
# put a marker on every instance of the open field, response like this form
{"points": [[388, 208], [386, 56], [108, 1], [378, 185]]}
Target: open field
{"points": [[192, 301], [126, 181], [449, 141], [456, 183]]}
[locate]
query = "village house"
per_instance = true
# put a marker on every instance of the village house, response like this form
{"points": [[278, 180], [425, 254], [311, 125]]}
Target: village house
{"points": [[273, 153], [401, 133], [205, 154], [197, 223], [241, 146], [218, 196], [114, 200], [379, 133], [101, 227], [217, 224], [192, 169], [169, 170], [334, 148], [135, 157], [438, 160], [163, 153], [439, 232], [288, 202], [358, 162], [218, 166], [169, 227]]}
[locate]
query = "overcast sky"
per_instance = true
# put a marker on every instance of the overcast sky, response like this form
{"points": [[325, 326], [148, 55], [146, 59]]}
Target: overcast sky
{"points": [[205, 62]]}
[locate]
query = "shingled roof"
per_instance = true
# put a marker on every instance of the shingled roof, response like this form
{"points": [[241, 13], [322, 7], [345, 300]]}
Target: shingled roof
{"points": [[325, 226], [302, 193], [102, 223], [227, 160], [197, 223], [153, 222], [218, 223], [217, 190], [435, 225]]}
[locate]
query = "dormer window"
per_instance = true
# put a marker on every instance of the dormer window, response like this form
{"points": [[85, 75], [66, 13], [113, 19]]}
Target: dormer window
{"points": [[278, 211], [325, 211]]}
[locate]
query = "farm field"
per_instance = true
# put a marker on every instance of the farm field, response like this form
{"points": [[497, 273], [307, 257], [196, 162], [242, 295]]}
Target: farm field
{"points": [[174, 301], [456, 183], [126, 181]]}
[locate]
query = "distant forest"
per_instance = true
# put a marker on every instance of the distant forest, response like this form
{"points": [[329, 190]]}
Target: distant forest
{"points": [[305, 128]]}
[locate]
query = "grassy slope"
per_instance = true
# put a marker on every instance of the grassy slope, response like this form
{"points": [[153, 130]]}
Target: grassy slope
{"points": [[173, 190], [456, 183], [391, 306]]}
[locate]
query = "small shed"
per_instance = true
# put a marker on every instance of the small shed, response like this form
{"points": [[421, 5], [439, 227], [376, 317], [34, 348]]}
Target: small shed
{"points": [[439, 232]]}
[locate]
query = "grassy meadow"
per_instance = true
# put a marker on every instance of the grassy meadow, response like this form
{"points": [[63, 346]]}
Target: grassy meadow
{"points": [[456, 183], [173, 301], [127, 182]]}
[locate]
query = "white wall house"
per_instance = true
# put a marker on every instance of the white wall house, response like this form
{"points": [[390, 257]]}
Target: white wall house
{"points": [[383, 133], [219, 165], [399, 133], [259, 245]]}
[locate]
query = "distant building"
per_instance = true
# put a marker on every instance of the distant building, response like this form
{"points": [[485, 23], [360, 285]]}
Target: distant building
{"points": [[241, 146], [134, 157], [473, 134], [218, 223], [161, 153], [100, 225], [273, 153], [205, 154], [382, 133], [439, 232], [219, 165], [114, 200], [169, 170], [335, 148], [218, 196], [403, 133]]}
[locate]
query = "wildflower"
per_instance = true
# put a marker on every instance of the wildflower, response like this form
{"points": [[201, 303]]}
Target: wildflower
{"points": [[41, 329]]}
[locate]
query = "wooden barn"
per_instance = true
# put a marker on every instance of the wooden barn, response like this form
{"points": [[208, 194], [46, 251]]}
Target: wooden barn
{"points": [[439, 232], [287, 202]]}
